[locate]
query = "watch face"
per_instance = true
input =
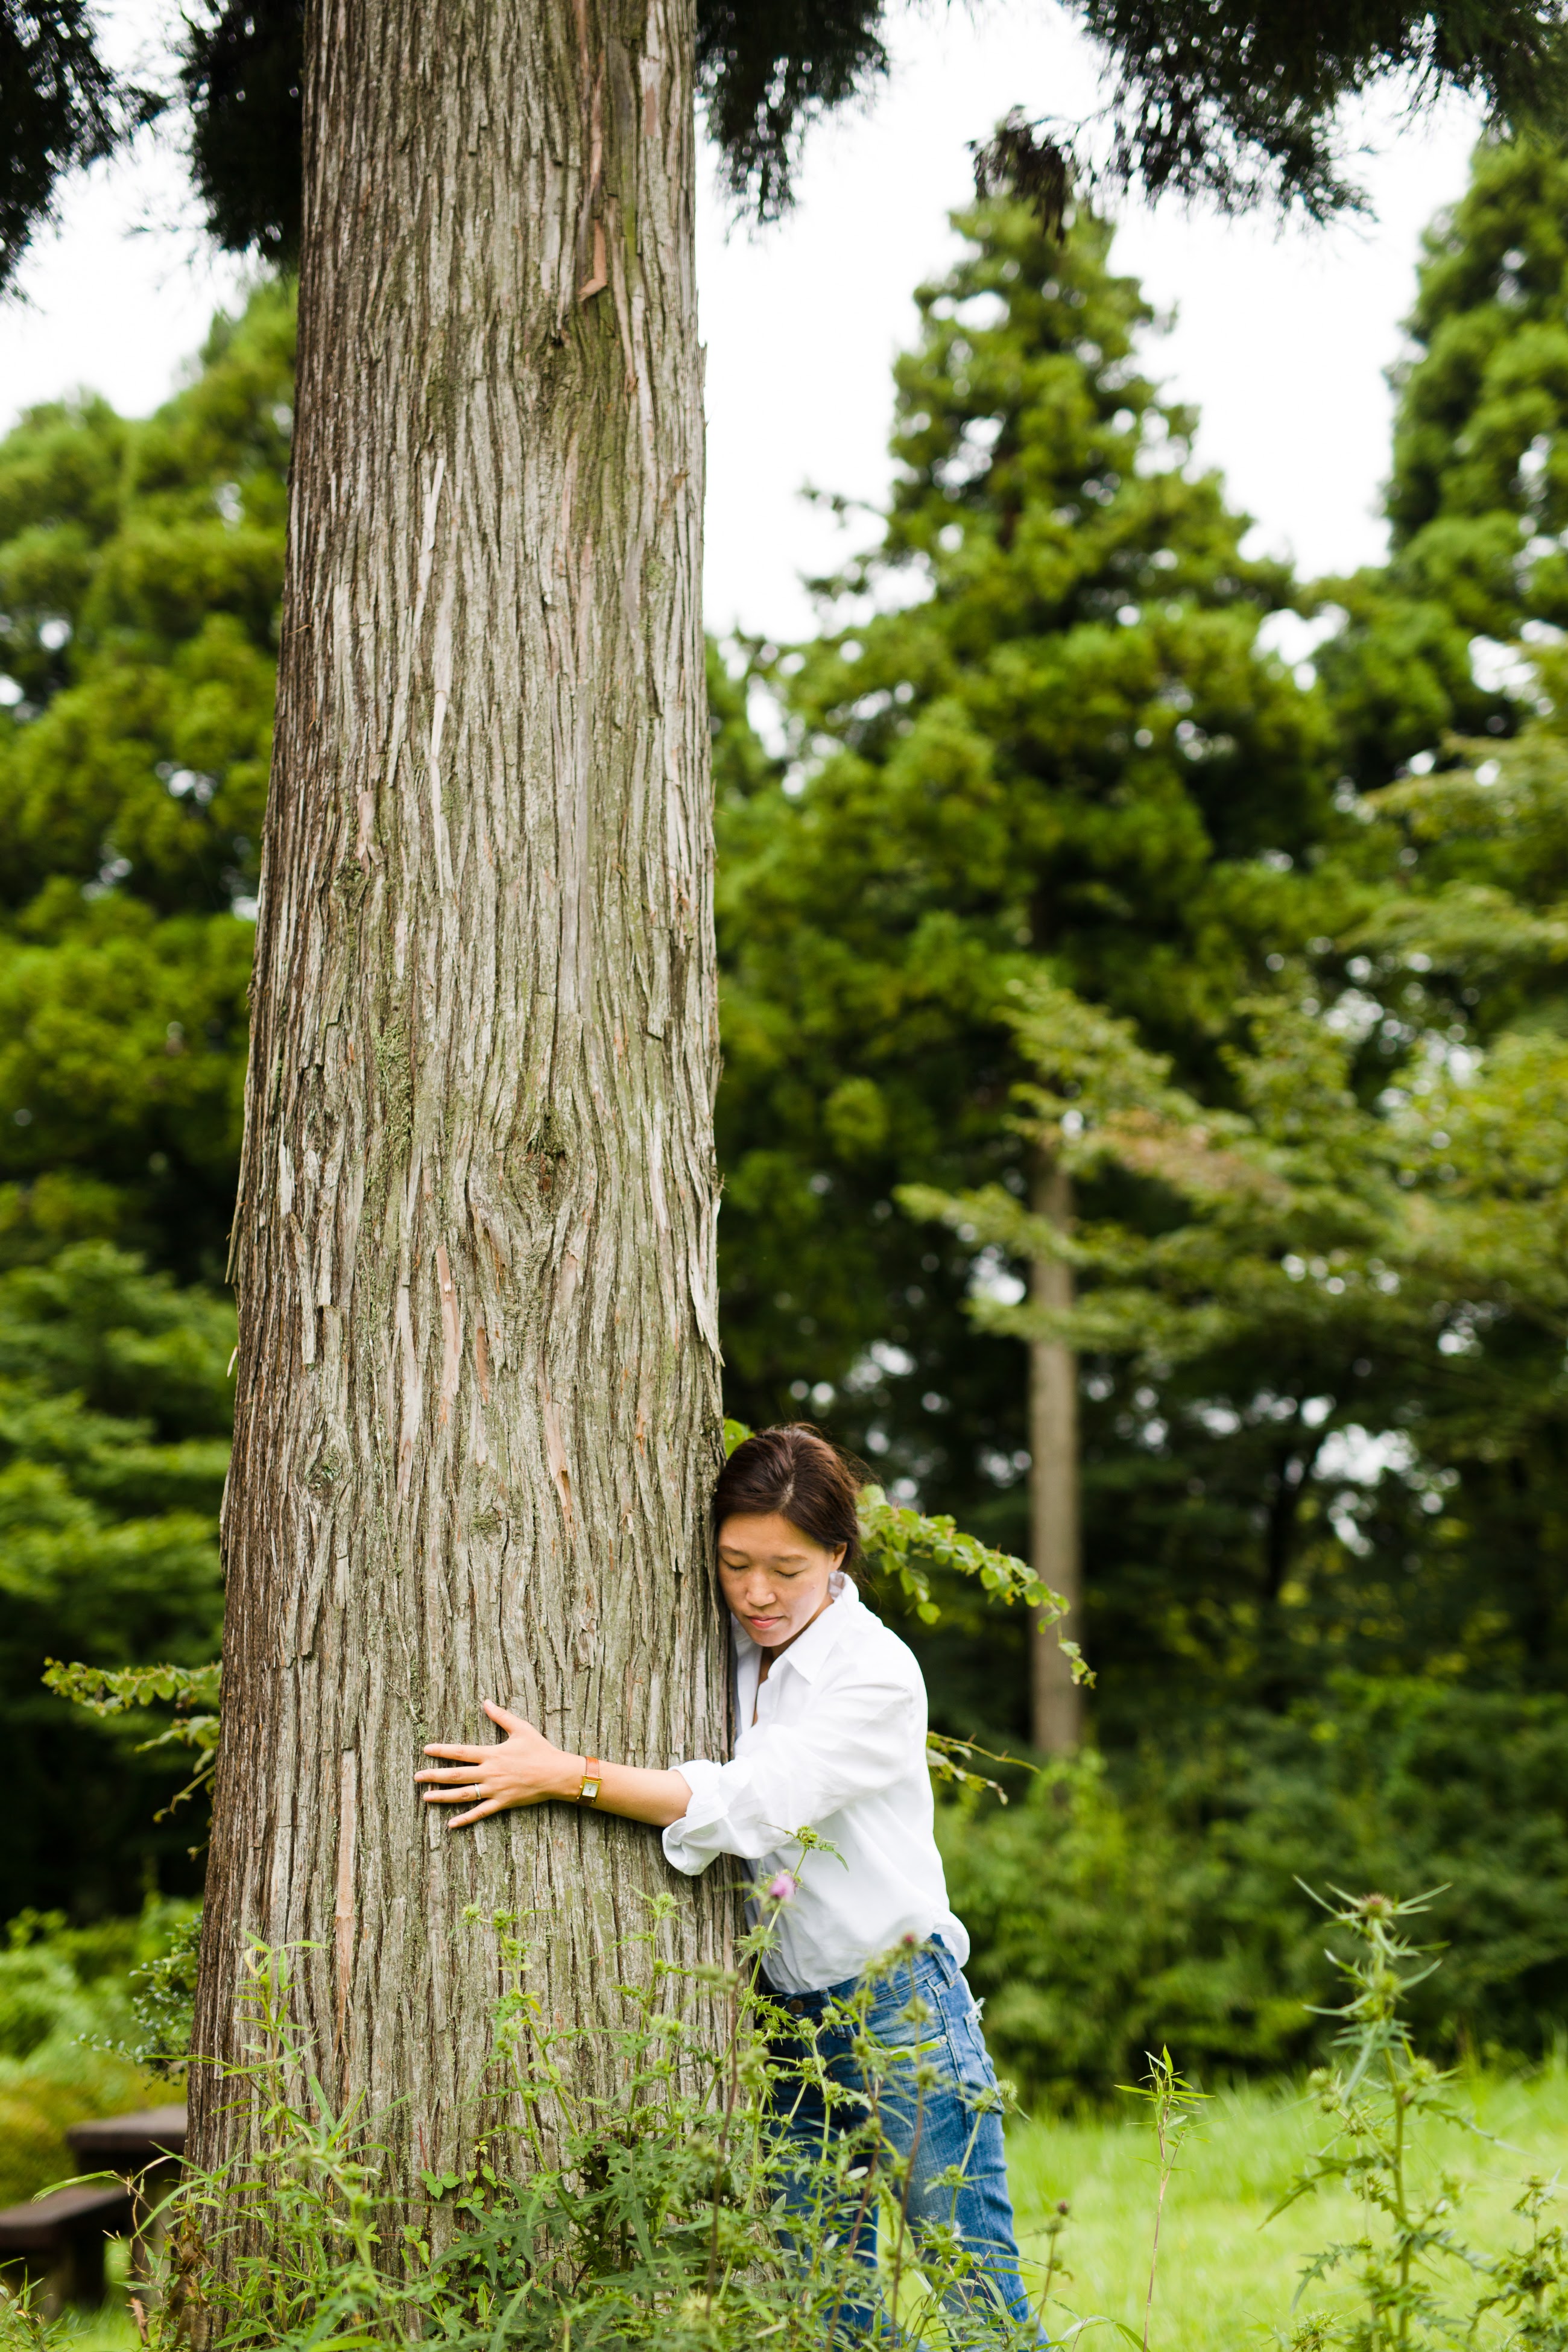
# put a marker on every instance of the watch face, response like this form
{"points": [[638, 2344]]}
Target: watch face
{"points": [[591, 1791]]}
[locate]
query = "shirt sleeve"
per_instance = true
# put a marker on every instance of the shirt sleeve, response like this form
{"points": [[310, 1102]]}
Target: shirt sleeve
{"points": [[795, 1775]]}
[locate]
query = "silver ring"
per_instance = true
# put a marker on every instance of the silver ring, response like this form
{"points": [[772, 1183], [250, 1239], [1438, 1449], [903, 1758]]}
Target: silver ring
{"points": [[473, 1796]]}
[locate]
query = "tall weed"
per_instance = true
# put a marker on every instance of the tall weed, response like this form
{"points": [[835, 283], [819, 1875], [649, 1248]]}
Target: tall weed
{"points": [[1415, 2283], [669, 2217]]}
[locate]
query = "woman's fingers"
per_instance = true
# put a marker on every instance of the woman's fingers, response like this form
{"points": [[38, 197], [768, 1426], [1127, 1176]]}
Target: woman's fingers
{"points": [[461, 1820], [512, 1723], [488, 1779]]}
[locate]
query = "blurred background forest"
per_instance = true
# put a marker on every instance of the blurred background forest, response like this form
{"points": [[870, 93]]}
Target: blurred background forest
{"points": [[1133, 955]]}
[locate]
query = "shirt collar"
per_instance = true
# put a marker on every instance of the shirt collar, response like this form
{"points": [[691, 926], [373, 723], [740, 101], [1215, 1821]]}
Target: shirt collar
{"points": [[810, 1650]]}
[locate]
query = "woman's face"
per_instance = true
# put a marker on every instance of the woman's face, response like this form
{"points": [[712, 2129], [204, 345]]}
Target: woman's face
{"points": [[773, 1577]]}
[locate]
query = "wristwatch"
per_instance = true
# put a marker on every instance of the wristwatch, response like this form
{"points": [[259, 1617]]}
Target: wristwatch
{"points": [[589, 1794]]}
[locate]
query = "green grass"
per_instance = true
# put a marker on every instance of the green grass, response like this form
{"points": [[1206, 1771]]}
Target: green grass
{"points": [[1227, 2273]]}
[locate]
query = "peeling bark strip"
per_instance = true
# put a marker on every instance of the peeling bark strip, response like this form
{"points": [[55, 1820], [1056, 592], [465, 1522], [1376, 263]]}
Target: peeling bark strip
{"points": [[477, 1396], [344, 1909]]}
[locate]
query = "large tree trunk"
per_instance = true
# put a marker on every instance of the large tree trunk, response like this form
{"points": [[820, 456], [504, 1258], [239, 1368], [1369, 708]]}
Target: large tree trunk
{"points": [[477, 1388], [1057, 1702]]}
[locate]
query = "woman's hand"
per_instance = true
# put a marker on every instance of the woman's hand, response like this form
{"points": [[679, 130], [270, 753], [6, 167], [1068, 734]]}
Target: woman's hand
{"points": [[526, 1770], [523, 1769]]}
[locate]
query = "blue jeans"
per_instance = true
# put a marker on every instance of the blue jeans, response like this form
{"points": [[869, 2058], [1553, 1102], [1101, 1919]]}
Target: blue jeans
{"points": [[945, 2129]]}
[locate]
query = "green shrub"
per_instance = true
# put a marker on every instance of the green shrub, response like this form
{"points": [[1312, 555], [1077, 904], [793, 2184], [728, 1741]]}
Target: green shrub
{"points": [[72, 2032], [1115, 1911], [115, 1408]]}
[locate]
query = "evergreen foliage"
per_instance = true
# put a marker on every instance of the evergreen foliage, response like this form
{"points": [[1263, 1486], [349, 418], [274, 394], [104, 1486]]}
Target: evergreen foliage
{"points": [[1240, 100], [1218, 96], [1330, 1445], [139, 572], [768, 72], [61, 108], [1373, 1291], [140, 566], [1478, 497], [115, 1406], [1363, 1290], [1473, 938]]}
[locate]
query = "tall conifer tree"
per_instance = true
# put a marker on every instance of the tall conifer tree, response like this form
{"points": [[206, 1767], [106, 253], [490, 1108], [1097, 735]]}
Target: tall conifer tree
{"points": [[1478, 495], [1071, 746]]}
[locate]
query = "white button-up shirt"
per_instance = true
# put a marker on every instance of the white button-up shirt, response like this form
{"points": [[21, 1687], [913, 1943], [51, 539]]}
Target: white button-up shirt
{"points": [[839, 1746]]}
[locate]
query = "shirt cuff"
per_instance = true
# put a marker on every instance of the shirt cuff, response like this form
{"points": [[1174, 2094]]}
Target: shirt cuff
{"points": [[685, 1845]]}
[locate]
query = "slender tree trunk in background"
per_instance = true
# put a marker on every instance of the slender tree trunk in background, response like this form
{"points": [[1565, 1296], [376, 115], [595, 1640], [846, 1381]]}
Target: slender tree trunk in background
{"points": [[1057, 1702], [479, 1367]]}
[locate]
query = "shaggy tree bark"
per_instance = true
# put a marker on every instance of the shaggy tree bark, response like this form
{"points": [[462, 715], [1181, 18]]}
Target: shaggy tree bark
{"points": [[477, 1388], [1056, 1702]]}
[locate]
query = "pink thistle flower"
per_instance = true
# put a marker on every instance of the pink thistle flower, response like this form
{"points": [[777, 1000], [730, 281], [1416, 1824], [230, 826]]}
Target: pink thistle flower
{"points": [[781, 1889]]}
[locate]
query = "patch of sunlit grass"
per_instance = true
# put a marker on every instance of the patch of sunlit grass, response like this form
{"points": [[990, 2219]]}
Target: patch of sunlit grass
{"points": [[1227, 2273]]}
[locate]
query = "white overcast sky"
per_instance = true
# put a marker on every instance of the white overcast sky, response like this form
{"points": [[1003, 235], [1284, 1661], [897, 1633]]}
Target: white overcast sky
{"points": [[1281, 336]]}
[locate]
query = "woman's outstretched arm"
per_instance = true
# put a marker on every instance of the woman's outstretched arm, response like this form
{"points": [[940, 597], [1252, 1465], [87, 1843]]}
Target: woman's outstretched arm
{"points": [[524, 1770]]}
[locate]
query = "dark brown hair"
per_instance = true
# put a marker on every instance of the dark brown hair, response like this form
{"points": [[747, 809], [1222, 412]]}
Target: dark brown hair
{"points": [[795, 1471]]}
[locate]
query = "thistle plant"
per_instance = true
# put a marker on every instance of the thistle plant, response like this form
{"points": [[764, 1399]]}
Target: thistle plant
{"points": [[1409, 2265], [1055, 2223], [1530, 2285]]}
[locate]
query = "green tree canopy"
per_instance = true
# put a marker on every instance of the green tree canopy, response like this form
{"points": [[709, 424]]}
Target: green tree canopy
{"points": [[1072, 745], [1365, 1278], [1478, 495], [115, 1405], [1215, 96], [1359, 1306], [140, 570]]}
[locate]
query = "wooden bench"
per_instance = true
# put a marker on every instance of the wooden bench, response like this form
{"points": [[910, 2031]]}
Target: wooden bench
{"points": [[151, 2136], [59, 2239]]}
